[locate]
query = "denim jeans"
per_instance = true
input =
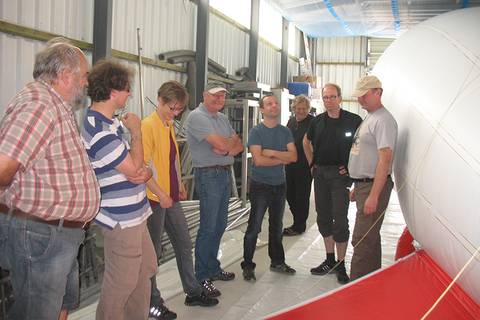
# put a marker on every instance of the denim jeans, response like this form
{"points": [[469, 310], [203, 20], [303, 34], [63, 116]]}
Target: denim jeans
{"points": [[173, 221], [43, 267], [263, 197], [213, 189]]}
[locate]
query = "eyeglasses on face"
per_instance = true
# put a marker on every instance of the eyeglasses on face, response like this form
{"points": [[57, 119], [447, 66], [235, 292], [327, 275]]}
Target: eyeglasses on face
{"points": [[331, 98], [174, 108]]}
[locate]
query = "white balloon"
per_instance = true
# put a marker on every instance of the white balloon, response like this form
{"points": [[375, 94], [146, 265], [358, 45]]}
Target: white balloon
{"points": [[431, 81]]}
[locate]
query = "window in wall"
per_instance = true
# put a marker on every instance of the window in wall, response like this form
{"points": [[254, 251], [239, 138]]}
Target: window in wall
{"points": [[238, 10], [270, 24]]}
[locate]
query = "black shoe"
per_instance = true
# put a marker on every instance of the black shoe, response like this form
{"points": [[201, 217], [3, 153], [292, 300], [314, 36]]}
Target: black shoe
{"points": [[289, 232], [282, 268], [223, 276], [342, 276], [323, 268], [249, 274], [210, 289], [200, 300], [161, 313]]}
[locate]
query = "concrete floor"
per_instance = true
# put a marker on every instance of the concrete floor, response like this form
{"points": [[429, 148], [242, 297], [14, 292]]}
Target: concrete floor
{"points": [[271, 292]]}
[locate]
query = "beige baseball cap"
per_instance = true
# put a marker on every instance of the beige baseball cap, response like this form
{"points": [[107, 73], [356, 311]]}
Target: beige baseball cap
{"points": [[364, 84], [214, 87]]}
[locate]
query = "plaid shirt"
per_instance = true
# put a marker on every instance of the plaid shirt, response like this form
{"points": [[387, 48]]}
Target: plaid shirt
{"points": [[55, 179]]}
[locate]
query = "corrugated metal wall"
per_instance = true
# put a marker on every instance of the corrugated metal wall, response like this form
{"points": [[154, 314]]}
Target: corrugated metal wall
{"points": [[165, 25], [342, 61], [228, 44]]}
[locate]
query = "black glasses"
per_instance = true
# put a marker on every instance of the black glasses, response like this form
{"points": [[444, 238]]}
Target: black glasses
{"points": [[325, 98], [174, 108]]}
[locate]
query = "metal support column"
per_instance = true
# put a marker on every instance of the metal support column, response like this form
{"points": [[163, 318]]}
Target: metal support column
{"points": [[102, 29], [284, 56], [201, 55], [253, 47]]}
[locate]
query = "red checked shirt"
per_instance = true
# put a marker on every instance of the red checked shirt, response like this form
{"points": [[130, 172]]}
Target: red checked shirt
{"points": [[55, 179]]}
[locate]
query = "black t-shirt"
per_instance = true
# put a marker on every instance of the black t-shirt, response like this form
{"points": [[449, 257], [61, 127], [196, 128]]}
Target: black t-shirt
{"points": [[328, 145], [298, 130], [332, 138]]}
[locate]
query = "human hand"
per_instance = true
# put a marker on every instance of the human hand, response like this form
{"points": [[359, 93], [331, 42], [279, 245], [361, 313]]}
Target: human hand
{"points": [[352, 195], [132, 122], [142, 175], [268, 153], [218, 151], [342, 170], [183, 192], [165, 200], [370, 205]]}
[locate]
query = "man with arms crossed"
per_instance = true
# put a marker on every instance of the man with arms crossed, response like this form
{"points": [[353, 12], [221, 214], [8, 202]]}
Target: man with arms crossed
{"points": [[130, 259], [272, 147], [213, 144]]}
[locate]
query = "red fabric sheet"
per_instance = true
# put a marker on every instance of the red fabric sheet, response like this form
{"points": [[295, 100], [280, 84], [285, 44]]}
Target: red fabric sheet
{"points": [[405, 290]]}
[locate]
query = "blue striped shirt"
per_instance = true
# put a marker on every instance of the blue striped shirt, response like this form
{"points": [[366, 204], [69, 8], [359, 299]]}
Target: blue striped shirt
{"points": [[123, 202]]}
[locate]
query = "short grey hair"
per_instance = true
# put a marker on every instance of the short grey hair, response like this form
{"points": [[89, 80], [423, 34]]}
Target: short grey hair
{"points": [[54, 59]]}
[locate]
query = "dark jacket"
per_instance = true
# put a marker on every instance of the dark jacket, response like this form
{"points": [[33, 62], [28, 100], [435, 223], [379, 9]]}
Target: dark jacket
{"points": [[298, 130]]}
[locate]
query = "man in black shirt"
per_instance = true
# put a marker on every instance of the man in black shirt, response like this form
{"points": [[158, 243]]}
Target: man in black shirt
{"points": [[299, 177], [327, 146]]}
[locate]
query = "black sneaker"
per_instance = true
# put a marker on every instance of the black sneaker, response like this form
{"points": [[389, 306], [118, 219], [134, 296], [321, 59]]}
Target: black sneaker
{"points": [[290, 232], [282, 268], [323, 268], [223, 276], [161, 313], [200, 300], [249, 274], [342, 276], [210, 289]]}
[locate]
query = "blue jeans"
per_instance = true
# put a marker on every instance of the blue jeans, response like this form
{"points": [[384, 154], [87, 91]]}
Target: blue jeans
{"points": [[43, 267], [263, 197], [213, 189]]}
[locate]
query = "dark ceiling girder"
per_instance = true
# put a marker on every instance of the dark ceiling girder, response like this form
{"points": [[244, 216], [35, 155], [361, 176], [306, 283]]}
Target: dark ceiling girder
{"points": [[253, 47], [284, 55], [201, 51]]}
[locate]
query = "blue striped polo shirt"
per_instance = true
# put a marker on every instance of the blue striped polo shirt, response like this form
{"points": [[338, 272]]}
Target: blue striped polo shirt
{"points": [[123, 202]]}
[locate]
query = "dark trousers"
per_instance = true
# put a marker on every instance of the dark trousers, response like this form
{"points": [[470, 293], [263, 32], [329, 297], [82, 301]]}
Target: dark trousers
{"points": [[263, 197], [331, 202], [299, 185]]}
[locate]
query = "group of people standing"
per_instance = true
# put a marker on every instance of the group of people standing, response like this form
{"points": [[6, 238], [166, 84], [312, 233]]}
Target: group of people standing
{"points": [[54, 181]]}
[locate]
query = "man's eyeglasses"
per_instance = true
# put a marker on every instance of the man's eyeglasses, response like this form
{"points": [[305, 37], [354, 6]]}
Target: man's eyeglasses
{"points": [[331, 98]]}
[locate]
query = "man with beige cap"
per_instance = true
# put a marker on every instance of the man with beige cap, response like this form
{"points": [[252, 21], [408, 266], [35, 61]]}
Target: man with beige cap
{"points": [[213, 144], [370, 167]]}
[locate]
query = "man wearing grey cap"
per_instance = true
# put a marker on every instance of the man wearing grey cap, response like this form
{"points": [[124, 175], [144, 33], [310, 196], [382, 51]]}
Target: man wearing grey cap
{"points": [[213, 144], [370, 167]]}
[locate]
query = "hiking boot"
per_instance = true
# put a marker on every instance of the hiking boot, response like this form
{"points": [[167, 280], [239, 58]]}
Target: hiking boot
{"points": [[323, 268], [200, 300], [161, 313], [282, 268], [223, 276], [342, 276], [210, 289], [249, 274]]}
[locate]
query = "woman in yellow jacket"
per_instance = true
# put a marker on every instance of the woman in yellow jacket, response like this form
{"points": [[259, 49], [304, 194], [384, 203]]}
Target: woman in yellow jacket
{"points": [[164, 191]]}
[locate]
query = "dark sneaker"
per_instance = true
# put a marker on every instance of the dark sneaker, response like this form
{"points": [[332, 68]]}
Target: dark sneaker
{"points": [[249, 274], [223, 276], [289, 232], [322, 269], [200, 300], [282, 268], [342, 276], [210, 289], [161, 313]]}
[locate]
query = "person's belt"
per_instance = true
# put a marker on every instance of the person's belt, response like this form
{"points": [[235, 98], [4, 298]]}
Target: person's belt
{"points": [[19, 214], [365, 179], [215, 167]]}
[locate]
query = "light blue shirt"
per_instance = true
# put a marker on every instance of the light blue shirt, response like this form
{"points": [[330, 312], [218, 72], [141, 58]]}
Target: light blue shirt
{"points": [[200, 123]]}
